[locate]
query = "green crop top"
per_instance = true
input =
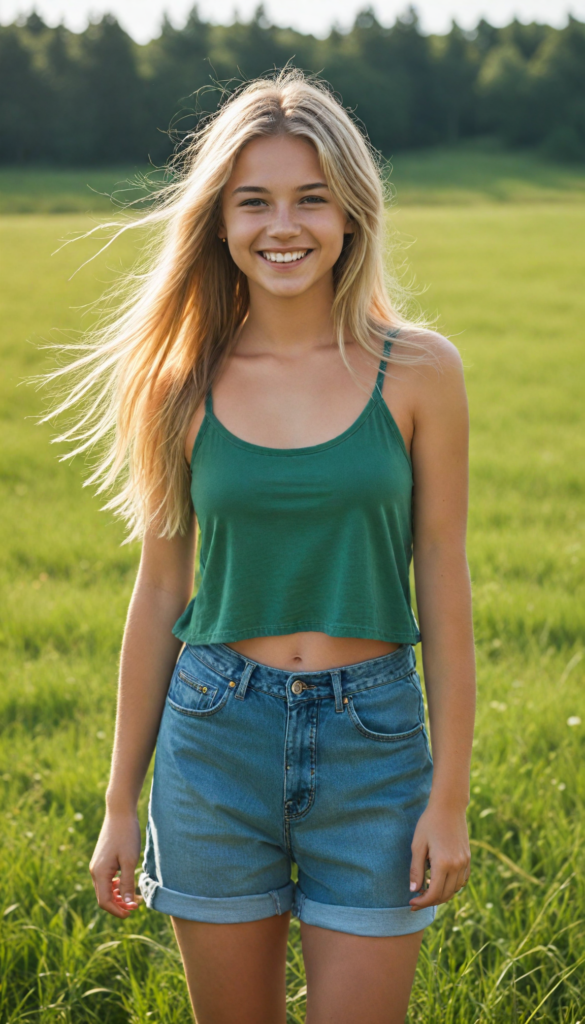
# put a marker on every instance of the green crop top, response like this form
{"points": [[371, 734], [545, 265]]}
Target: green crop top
{"points": [[296, 539]]}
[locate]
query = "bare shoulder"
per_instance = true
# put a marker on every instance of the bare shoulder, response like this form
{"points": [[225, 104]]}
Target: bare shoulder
{"points": [[427, 351], [428, 367]]}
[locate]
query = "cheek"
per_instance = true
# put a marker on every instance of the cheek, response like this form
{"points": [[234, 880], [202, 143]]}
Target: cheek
{"points": [[239, 233], [238, 227], [330, 233], [240, 241], [331, 248]]}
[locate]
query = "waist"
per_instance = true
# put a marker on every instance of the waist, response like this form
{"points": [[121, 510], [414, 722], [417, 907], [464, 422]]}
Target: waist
{"points": [[310, 651], [226, 661]]}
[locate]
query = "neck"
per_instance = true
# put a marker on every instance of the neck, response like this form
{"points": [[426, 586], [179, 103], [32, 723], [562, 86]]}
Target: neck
{"points": [[289, 323]]}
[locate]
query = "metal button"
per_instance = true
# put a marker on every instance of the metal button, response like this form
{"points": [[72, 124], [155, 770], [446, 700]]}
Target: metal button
{"points": [[345, 700], [232, 684], [297, 686]]}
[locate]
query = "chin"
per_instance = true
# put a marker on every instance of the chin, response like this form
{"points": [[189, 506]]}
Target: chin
{"points": [[289, 293], [286, 288]]}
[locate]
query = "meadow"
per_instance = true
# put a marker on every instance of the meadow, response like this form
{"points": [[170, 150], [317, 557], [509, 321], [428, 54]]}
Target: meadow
{"points": [[502, 269]]}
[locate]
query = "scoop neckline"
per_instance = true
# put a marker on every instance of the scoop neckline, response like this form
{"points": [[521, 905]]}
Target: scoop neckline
{"points": [[308, 449]]}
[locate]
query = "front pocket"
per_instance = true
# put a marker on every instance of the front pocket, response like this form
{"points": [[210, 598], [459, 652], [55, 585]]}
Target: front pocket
{"points": [[197, 697], [389, 712]]}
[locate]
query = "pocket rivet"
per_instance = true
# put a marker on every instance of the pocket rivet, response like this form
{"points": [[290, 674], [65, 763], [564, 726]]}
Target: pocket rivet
{"points": [[204, 689], [345, 700], [232, 683]]}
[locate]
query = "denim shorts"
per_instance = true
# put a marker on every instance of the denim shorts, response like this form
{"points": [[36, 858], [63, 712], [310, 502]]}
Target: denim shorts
{"points": [[258, 768]]}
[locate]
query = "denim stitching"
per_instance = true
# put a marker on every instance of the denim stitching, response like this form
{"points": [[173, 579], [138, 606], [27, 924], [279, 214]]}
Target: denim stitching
{"points": [[373, 663], [196, 684], [313, 762], [336, 682], [276, 901], [244, 680], [427, 744], [200, 714], [268, 693], [389, 682], [207, 664], [330, 696], [381, 737], [299, 901], [287, 836]]}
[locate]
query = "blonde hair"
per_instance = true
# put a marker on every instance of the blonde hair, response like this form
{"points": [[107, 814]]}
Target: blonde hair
{"points": [[142, 373]]}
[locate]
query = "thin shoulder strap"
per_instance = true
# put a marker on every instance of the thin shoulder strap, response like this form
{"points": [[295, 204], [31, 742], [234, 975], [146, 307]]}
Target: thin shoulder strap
{"points": [[384, 361]]}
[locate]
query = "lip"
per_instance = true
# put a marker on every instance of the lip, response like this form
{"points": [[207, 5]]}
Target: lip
{"points": [[284, 266]]}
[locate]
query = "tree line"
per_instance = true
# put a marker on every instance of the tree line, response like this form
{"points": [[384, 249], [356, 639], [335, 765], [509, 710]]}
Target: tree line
{"points": [[98, 97]]}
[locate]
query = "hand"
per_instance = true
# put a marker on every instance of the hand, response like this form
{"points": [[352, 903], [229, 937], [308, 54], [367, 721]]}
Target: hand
{"points": [[117, 850], [441, 839]]}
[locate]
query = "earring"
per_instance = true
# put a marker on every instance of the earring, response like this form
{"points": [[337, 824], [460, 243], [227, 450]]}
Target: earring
{"points": [[224, 239]]}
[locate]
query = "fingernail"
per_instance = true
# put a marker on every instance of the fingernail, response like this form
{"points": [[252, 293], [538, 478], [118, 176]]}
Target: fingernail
{"points": [[128, 899], [414, 909], [413, 887]]}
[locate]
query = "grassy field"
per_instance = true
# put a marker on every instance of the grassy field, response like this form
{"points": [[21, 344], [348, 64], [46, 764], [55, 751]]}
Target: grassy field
{"points": [[471, 173], [50, 190], [507, 278]]}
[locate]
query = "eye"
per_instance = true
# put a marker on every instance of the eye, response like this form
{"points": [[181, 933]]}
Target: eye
{"points": [[313, 199], [253, 202]]}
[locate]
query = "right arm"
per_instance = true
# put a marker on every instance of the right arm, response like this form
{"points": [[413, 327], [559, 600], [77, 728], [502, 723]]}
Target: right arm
{"points": [[149, 651]]}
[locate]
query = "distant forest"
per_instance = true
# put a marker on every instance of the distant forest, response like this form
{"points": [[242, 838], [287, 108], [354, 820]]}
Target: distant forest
{"points": [[97, 97]]}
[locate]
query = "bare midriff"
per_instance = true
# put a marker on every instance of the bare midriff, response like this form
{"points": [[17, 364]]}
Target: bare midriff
{"points": [[311, 652]]}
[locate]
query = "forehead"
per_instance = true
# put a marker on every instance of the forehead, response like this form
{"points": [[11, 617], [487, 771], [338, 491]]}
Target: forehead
{"points": [[280, 160]]}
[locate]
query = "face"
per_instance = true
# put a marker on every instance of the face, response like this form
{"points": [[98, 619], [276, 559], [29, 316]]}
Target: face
{"points": [[284, 228]]}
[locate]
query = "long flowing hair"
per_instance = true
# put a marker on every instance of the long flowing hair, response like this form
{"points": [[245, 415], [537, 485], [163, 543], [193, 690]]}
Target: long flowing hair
{"points": [[139, 376]]}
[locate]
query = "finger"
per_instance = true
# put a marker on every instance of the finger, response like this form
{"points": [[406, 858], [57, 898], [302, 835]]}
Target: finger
{"points": [[117, 894], [126, 883], [417, 867], [116, 909], [104, 891], [434, 893], [451, 886], [456, 880], [461, 879]]}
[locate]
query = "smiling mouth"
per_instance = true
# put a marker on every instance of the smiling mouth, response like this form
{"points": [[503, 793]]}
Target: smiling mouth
{"points": [[294, 256]]}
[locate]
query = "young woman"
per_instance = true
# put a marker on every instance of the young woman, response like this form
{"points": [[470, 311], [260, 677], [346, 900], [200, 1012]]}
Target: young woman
{"points": [[259, 381]]}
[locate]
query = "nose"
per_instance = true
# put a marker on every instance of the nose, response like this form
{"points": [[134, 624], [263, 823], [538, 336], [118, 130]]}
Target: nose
{"points": [[284, 224]]}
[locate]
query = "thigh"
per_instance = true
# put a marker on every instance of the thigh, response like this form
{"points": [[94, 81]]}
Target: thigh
{"points": [[356, 977], [235, 972]]}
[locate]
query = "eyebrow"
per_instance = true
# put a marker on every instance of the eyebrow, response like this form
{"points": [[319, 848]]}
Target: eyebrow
{"points": [[266, 191]]}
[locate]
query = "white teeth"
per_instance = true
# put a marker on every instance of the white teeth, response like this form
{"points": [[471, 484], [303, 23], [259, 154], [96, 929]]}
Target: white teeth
{"points": [[284, 257]]}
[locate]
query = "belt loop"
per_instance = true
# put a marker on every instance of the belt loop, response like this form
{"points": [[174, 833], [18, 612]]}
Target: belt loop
{"points": [[244, 680], [336, 680]]}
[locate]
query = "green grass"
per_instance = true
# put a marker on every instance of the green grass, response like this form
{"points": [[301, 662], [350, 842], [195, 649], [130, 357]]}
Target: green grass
{"points": [[507, 279], [478, 171], [54, 190]]}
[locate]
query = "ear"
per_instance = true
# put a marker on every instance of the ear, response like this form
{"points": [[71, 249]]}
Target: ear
{"points": [[221, 231], [349, 228]]}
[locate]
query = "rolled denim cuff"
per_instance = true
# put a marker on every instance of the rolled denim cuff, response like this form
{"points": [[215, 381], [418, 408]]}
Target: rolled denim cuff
{"points": [[224, 910], [362, 920]]}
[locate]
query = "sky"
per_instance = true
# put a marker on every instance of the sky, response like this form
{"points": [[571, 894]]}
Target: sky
{"points": [[141, 18]]}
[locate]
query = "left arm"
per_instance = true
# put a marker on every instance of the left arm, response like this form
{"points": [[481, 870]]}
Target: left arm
{"points": [[443, 591]]}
